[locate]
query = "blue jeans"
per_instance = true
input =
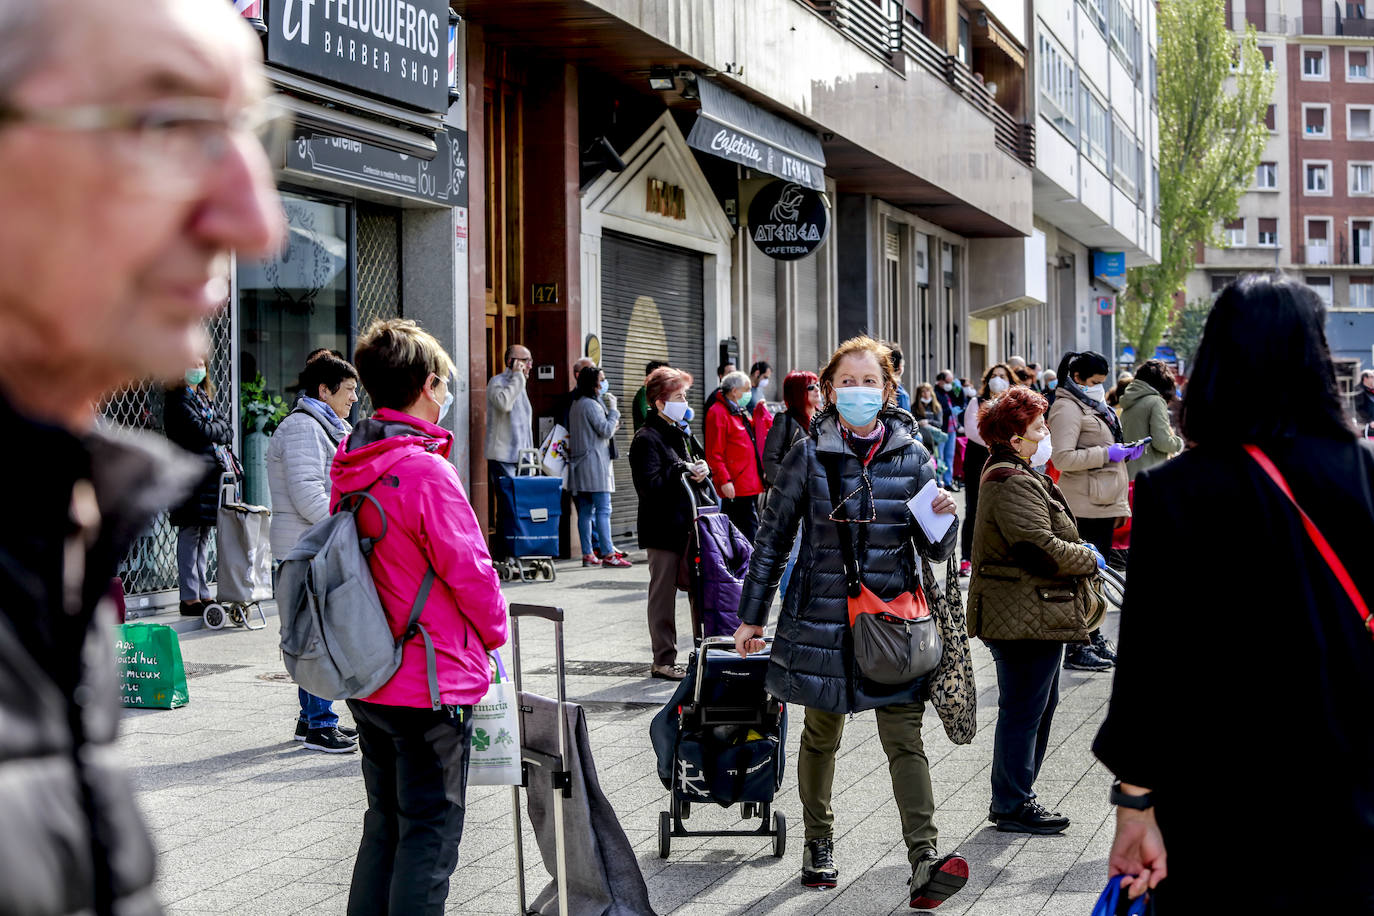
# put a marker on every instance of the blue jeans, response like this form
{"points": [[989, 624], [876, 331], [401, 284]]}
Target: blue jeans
{"points": [[594, 515], [1027, 694], [947, 460], [316, 712]]}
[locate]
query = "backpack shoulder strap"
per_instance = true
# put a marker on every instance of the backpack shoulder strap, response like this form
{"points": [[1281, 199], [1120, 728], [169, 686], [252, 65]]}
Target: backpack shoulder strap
{"points": [[413, 626]]}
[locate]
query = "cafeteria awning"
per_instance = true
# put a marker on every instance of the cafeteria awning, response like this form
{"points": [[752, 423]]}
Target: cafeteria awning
{"points": [[738, 130]]}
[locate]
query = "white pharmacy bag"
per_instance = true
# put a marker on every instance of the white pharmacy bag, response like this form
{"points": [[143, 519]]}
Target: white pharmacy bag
{"points": [[494, 758]]}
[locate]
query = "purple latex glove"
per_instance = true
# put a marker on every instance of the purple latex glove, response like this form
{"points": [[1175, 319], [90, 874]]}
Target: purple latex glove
{"points": [[1118, 452]]}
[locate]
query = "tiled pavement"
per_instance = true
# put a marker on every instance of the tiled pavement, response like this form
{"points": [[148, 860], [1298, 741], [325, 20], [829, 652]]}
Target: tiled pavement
{"points": [[248, 822]]}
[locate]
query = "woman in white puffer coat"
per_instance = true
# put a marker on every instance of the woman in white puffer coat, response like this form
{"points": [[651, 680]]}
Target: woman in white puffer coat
{"points": [[298, 461]]}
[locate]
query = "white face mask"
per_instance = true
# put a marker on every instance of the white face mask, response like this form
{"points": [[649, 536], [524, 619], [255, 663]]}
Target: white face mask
{"points": [[763, 383], [997, 385], [1097, 393], [675, 410], [926, 400]]}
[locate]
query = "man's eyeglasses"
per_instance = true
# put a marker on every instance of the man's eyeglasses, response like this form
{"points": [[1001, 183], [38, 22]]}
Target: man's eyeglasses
{"points": [[175, 132]]}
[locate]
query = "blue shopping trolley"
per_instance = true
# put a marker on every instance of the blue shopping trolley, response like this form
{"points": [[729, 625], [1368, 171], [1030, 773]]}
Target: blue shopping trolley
{"points": [[529, 506]]}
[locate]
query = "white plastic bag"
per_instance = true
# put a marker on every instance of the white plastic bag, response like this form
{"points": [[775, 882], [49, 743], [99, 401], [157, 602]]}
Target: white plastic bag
{"points": [[553, 453], [494, 758]]}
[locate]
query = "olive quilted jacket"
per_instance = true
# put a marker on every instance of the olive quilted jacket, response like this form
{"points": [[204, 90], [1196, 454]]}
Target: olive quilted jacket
{"points": [[1027, 558], [813, 653]]}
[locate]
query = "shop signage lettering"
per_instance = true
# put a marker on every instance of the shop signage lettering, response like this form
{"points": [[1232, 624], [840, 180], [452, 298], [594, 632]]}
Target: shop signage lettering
{"points": [[666, 199], [442, 180], [788, 221], [396, 49]]}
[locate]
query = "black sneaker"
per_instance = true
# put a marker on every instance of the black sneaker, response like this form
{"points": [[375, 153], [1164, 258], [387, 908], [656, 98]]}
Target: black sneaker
{"points": [[1085, 658], [330, 741], [347, 732], [301, 730], [1031, 817], [818, 863], [1103, 646], [935, 880]]}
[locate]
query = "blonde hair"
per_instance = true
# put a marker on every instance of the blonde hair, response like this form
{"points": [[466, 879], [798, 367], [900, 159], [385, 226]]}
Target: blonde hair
{"points": [[394, 359], [858, 346]]}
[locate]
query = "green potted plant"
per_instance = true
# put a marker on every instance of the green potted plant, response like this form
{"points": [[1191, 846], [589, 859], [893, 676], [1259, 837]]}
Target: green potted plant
{"points": [[260, 412]]}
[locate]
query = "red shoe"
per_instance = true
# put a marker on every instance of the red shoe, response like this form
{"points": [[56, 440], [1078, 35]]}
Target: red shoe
{"points": [[590, 559], [965, 569], [617, 560]]}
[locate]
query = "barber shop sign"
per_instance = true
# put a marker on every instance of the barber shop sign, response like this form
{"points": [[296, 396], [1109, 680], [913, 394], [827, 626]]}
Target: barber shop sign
{"points": [[788, 221]]}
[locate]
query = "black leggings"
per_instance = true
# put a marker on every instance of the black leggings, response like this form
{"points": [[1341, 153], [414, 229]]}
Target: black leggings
{"points": [[975, 457]]}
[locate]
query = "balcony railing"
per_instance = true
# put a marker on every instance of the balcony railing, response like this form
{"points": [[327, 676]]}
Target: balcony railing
{"points": [[1334, 25], [880, 26], [1270, 23], [1317, 253]]}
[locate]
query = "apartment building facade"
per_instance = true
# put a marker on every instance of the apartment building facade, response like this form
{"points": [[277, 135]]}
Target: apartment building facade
{"points": [[1309, 211]]}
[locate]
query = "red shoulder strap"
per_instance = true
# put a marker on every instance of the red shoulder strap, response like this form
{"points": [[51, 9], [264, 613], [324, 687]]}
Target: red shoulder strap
{"points": [[1324, 548]]}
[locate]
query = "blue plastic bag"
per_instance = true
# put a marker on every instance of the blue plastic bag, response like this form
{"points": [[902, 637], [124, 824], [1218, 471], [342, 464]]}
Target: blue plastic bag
{"points": [[1112, 895]]}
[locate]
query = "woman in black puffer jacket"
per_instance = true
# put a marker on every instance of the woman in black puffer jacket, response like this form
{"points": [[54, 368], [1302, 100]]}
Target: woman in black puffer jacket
{"points": [[881, 466]]}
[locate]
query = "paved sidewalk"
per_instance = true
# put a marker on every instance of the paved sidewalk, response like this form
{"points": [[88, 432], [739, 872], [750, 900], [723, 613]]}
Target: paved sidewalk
{"points": [[248, 822]]}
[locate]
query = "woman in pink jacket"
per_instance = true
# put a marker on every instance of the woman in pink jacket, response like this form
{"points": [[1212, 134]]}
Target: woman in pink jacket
{"points": [[415, 757]]}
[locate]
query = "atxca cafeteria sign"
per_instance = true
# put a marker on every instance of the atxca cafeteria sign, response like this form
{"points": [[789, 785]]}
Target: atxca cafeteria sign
{"points": [[396, 49], [787, 221]]}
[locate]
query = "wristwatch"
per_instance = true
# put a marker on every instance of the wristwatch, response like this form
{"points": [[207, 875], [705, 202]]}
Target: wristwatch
{"points": [[1138, 802]]}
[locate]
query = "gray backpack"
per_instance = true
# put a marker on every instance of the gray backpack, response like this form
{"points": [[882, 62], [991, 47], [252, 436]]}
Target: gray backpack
{"points": [[335, 638]]}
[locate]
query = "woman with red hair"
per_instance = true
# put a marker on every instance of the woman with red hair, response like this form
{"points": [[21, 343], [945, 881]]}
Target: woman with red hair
{"points": [[663, 452], [1027, 598]]}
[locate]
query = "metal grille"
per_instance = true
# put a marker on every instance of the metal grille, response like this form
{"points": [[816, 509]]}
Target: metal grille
{"points": [[379, 272], [151, 564]]}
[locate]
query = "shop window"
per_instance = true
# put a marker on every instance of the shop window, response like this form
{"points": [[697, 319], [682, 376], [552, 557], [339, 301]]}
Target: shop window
{"points": [[1267, 175], [1268, 234]]}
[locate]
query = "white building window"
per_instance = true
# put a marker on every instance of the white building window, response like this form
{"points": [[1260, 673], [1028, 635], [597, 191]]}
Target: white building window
{"points": [[1267, 175], [1314, 64], [1125, 35], [1362, 178], [1362, 292], [1094, 129], [1322, 287], [1096, 13], [1318, 241], [1268, 234], [1356, 64], [1235, 233], [1125, 158], [1058, 85], [1316, 122], [1316, 178], [1362, 241], [1358, 122]]}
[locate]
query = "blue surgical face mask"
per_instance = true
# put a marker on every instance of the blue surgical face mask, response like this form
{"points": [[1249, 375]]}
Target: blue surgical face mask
{"points": [[858, 406], [1053, 383], [603, 387], [443, 408], [195, 376]]}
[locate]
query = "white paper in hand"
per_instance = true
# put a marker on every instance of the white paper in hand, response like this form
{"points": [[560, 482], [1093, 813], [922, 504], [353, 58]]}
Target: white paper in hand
{"points": [[933, 523]]}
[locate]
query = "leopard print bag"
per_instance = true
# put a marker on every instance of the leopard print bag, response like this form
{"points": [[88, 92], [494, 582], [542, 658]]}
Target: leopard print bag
{"points": [[951, 688]]}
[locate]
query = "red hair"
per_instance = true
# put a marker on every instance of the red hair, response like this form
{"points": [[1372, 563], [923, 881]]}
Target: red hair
{"points": [[795, 395], [1010, 415], [664, 382]]}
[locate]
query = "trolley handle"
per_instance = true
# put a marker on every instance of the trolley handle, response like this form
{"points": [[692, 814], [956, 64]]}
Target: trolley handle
{"points": [[543, 611], [692, 493], [707, 644]]}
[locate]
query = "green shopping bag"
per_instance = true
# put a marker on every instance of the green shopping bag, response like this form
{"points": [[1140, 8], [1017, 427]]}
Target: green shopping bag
{"points": [[150, 669]]}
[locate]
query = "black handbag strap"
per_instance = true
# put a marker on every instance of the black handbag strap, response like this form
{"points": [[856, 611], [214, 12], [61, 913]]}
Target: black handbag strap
{"points": [[852, 579]]}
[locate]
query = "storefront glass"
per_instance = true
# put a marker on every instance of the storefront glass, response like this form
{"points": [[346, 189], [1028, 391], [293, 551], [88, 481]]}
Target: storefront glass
{"points": [[290, 305]]}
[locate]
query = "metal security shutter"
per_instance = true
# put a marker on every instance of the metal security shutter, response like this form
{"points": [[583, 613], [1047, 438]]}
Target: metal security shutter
{"points": [[807, 310], [379, 273], [651, 308], [763, 310]]}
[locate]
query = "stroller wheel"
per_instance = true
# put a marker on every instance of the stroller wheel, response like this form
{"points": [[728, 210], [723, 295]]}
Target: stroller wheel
{"points": [[214, 616], [665, 833], [236, 615], [550, 571], [748, 810], [779, 835]]}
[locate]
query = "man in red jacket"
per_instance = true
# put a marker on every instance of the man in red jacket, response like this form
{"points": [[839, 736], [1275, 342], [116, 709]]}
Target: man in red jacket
{"points": [[733, 455]]}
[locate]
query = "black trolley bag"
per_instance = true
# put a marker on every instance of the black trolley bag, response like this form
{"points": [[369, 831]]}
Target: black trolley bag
{"points": [[721, 739]]}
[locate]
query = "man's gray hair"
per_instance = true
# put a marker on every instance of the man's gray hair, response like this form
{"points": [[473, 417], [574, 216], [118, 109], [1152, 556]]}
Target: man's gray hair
{"points": [[734, 381], [25, 40]]}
